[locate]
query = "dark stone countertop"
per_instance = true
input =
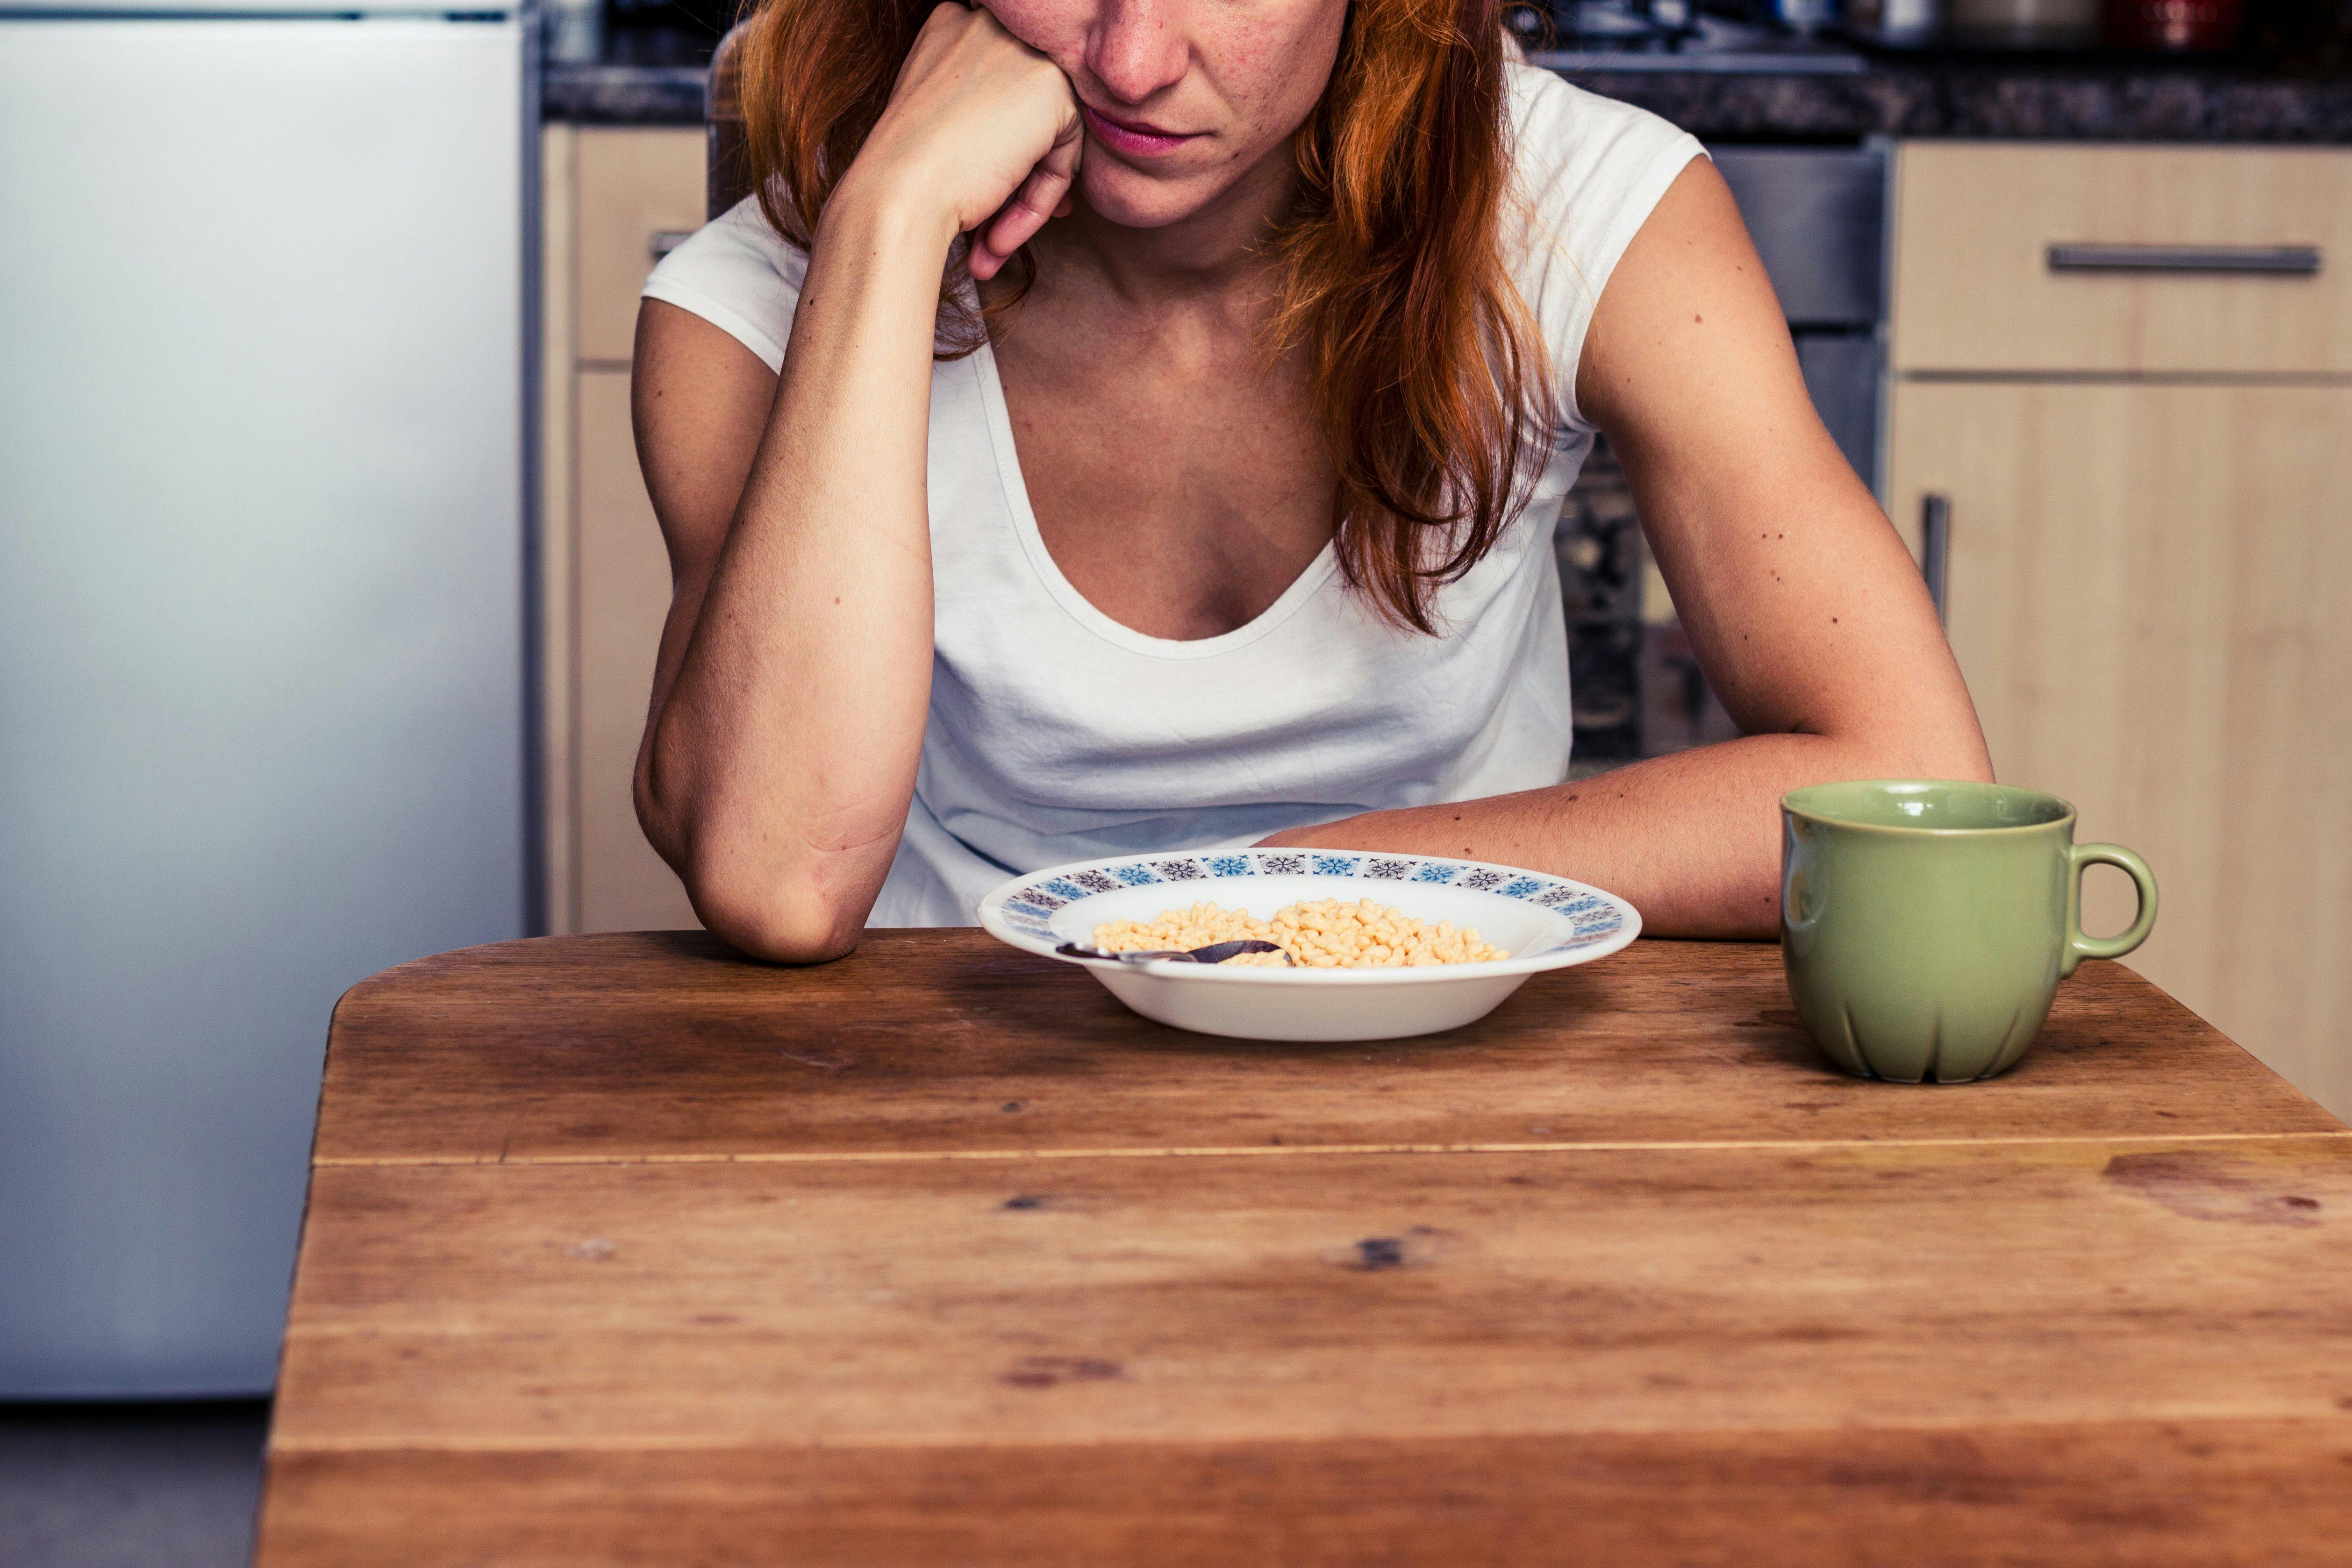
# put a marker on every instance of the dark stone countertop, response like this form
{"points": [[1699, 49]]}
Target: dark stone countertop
{"points": [[644, 76], [655, 78], [622, 95], [2099, 101]]}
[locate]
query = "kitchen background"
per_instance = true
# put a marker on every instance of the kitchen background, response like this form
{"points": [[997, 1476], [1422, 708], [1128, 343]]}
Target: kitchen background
{"points": [[2067, 282]]}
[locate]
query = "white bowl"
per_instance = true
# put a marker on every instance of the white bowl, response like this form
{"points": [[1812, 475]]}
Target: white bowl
{"points": [[1542, 922]]}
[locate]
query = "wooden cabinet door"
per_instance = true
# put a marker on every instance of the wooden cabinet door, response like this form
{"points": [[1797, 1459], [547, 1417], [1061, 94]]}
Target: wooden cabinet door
{"points": [[623, 597], [2147, 594], [1975, 289], [614, 196], [638, 188]]}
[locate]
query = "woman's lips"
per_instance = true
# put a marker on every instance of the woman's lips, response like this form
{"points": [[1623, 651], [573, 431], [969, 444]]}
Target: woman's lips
{"points": [[1132, 140]]}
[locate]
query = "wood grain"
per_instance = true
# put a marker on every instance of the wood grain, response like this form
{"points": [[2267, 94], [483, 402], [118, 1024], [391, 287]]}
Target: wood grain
{"points": [[2146, 596], [1973, 291], [2195, 1494], [1309, 1297], [624, 1046], [931, 1256]]}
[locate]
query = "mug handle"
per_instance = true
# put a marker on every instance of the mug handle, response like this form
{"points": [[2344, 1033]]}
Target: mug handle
{"points": [[2079, 946]]}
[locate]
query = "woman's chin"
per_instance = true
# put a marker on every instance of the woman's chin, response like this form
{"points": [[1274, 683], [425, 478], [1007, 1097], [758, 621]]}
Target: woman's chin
{"points": [[1136, 200]]}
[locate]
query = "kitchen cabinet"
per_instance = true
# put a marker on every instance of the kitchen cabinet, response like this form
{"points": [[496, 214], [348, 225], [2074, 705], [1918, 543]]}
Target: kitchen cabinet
{"points": [[615, 197], [2148, 481], [1974, 291]]}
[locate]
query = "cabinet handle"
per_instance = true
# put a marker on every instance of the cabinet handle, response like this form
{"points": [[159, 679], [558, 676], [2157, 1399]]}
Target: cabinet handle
{"points": [[668, 240], [1936, 546], [2295, 260]]}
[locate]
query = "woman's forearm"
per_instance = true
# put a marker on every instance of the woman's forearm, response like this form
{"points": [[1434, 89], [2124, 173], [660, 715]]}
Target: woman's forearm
{"points": [[794, 675], [782, 758], [1692, 840]]}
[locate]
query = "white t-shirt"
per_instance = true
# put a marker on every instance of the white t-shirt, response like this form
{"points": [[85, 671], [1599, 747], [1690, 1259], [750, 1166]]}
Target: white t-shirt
{"points": [[1056, 733]]}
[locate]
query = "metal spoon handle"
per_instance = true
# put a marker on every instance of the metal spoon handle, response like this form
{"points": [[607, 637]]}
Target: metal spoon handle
{"points": [[1218, 952], [1215, 953], [1078, 950]]}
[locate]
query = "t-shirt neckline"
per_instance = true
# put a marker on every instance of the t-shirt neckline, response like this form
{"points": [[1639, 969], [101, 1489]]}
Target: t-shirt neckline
{"points": [[1015, 489]]}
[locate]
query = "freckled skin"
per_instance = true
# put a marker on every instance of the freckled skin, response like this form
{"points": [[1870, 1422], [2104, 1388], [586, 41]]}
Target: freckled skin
{"points": [[1179, 482]]}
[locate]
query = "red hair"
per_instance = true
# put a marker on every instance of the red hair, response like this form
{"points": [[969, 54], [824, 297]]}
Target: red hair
{"points": [[1426, 375]]}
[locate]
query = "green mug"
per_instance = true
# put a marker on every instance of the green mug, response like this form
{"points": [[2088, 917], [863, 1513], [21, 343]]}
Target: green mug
{"points": [[1925, 924]]}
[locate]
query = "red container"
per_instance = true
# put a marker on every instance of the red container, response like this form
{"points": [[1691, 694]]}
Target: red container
{"points": [[2181, 24]]}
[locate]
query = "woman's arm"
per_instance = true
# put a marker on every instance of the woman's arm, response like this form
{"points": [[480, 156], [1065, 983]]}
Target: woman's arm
{"points": [[795, 671], [1806, 612]]}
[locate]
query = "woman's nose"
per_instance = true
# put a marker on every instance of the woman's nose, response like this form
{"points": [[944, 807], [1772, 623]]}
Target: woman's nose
{"points": [[1139, 47]]}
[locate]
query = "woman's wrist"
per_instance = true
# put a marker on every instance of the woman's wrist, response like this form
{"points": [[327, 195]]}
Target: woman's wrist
{"points": [[872, 215]]}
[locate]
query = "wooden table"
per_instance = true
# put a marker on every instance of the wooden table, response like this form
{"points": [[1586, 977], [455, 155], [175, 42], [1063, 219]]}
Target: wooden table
{"points": [[621, 1250]]}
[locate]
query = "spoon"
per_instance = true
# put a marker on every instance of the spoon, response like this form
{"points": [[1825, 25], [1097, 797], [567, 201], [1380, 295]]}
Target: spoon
{"points": [[1215, 953]]}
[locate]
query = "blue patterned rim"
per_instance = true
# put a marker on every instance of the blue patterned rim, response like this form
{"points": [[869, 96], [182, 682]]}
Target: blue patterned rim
{"points": [[1595, 917]]}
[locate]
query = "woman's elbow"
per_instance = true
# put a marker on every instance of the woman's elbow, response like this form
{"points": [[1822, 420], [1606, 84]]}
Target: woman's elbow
{"points": [[1953, 749], [1974, 766], [780, 919], [797, 902], [770, 912]]}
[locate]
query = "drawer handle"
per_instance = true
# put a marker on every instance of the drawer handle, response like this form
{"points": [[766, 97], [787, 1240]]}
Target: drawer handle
{"points": [[1936, 546], [668, 240], [2296, 260]]}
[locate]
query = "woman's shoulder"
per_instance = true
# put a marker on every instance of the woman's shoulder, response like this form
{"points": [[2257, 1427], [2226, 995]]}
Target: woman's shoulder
{"points": [[739, 275], [1588, 172], [1574, 149]]}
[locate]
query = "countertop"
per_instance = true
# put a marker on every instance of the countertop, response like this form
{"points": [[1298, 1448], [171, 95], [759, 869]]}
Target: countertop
{"points": [[622, 1249], [2028, 100], [656, 79], [642, 77]]}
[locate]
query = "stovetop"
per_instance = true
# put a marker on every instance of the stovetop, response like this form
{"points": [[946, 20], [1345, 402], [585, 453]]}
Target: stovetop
{"points": [[1668, 35]]}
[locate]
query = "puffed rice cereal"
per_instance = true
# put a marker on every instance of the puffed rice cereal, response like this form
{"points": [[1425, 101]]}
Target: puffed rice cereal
{"points": [[1328, 934]]}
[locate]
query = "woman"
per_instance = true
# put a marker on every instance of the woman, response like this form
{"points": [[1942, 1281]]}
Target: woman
{"points": [[1209, 500]]}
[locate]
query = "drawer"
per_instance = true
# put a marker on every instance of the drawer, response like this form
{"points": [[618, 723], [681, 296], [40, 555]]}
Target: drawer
{"points": [[636, 186], [1977, 287]]}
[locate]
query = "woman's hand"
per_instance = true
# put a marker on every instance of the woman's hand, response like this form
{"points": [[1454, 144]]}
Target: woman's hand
{"points": [[981, 126]]}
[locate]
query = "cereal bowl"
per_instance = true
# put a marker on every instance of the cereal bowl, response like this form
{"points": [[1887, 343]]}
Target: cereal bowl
{"points": [[1539, 922]]}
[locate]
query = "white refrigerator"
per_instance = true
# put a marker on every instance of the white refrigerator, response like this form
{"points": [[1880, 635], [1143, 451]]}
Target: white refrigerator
{"points": [[264, 550]]}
